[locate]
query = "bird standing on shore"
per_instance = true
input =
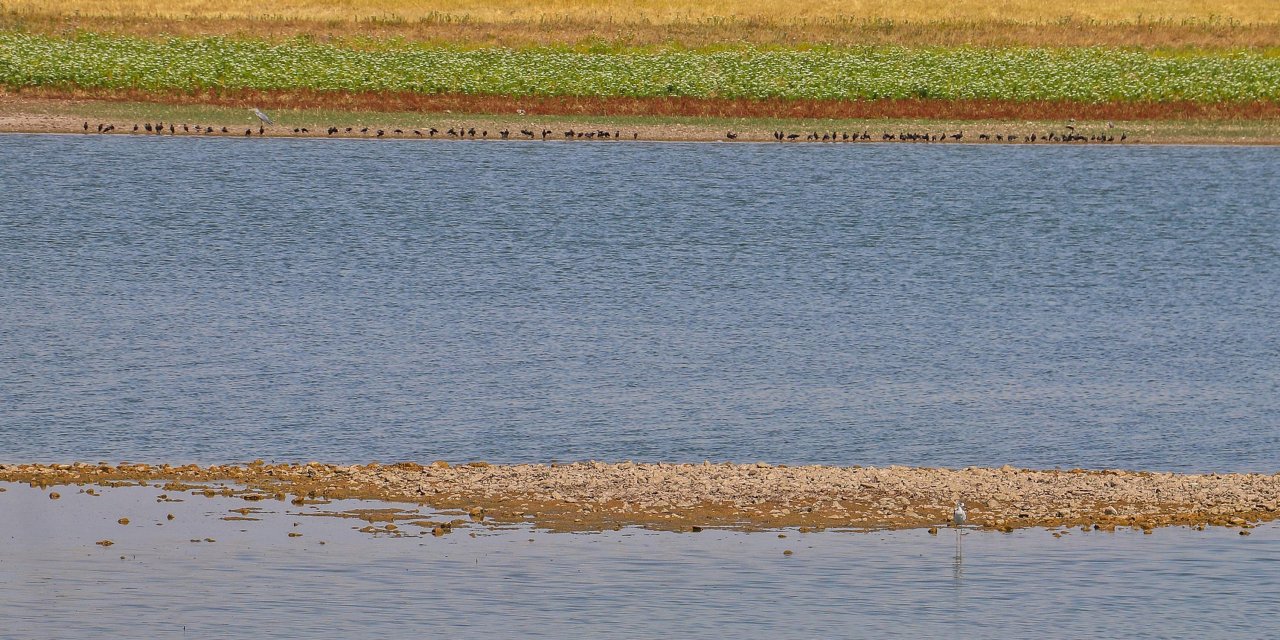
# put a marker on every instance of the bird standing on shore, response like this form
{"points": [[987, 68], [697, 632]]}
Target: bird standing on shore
{"points": [[959, 517], [262, 116]]}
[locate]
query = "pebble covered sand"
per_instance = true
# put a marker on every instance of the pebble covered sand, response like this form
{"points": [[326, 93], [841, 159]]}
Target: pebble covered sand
{"points": [[587, 496]]}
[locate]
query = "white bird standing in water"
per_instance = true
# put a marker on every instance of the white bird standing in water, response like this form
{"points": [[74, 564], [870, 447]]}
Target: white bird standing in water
{"points": [[959, 517], [262, 116]]}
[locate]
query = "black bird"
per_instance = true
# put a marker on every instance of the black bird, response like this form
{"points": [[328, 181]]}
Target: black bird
{"points": [[417, 133], [380, 133], [348, 129], [135, 128], [248, 132], [224, 130], [297, 130], [172, 129], [569, 133], [86, 125], [99, 127], [526, 133], [504, 133], [364, 130], [452, 132], [148, 126], [731, 135], [433, 132], [793, 136], [185, 129], [261, 130], [399, 131], [471, 132]]}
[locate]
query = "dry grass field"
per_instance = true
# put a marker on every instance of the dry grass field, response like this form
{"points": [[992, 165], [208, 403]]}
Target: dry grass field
{"points": [[1180, 31], [677, 11], [1144, 23]]}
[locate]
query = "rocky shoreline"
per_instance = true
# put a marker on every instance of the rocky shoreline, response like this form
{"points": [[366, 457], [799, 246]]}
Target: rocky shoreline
{"points": [[593, 496]]}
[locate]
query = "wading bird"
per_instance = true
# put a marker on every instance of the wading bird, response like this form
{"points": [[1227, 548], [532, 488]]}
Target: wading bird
{"points": [[262, 116]]}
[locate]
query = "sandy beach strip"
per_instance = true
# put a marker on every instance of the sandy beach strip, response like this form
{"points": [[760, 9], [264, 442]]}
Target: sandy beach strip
{"points": [[586, 496]]}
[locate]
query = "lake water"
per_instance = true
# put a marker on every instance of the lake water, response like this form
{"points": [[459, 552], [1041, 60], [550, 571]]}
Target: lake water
{"points": [[178, 299], [253, 581]]}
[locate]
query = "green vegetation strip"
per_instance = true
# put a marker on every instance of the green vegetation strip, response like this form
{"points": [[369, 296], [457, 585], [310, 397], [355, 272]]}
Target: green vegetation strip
{"points": [[1020, 74]]}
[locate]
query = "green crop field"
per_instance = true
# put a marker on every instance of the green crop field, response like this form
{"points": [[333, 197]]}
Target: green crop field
{"points": [[1018, 74]]}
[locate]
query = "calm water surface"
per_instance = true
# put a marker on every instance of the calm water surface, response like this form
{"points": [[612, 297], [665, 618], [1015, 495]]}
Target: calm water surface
{"points": [[220, 300], [254, 581]]}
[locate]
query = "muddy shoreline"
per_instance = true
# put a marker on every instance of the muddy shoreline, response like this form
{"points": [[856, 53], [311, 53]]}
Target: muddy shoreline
{"points": [[28, 114], [593, 496]]}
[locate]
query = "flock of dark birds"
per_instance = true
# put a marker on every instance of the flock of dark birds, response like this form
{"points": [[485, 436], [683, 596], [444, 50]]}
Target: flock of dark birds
{"points": [[172, 128], [1068, 133]]}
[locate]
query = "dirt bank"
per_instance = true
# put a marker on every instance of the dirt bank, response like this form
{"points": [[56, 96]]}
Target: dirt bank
{"points": [[21, 113]]}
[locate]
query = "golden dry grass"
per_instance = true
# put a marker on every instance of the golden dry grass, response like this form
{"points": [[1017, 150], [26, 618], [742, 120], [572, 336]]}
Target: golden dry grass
{"points": [[792, 27], [679, 11], [580, 30]]}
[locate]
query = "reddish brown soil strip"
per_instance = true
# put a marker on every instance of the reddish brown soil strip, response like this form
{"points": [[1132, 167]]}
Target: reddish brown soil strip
{"points": [[684, 107], [689, 497]]}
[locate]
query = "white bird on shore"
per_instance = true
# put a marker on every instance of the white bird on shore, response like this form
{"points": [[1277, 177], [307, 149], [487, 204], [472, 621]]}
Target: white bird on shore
{"points": [[959, 516], [262, 116]]}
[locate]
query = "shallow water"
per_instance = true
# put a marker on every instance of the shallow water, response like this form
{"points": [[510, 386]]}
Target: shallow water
{"points": [[221, 300], [255, 582]]}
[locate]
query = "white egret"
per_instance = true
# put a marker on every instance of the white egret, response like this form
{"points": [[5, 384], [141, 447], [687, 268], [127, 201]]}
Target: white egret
{"points": [[262, 116], [959, 517]]}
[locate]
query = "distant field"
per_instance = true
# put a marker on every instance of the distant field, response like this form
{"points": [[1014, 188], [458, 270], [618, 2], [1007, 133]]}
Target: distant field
{"points": [[1176, 24], [669, 11], [1086, 75]]}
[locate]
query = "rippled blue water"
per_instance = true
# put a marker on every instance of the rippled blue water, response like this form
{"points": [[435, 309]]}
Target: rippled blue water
{"points": [[213, 300]]}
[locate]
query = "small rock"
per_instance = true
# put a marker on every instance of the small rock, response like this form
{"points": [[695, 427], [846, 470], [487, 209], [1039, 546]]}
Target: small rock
{"points": [[933, 531], [1110, 511], [104, 543], [787, 552], [53, 495], [123, 521], [1245, 533]]}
